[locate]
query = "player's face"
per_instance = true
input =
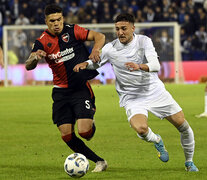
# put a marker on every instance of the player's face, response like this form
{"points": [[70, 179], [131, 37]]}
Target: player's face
{"points": [[55, 23], [124, 31]]}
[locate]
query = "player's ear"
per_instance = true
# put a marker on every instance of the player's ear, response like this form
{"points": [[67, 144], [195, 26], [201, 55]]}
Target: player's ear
{"points": [[46, 20], [133, 27]]}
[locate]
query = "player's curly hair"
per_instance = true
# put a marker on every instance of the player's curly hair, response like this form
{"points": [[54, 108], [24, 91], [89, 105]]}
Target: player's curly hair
{"points": [[52, 8], [125, 17]]}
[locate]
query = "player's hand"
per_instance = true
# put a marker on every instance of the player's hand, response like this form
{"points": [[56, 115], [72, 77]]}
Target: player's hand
{"points": [[80, 66], [132, 66], [40, 54], [94, 56]]}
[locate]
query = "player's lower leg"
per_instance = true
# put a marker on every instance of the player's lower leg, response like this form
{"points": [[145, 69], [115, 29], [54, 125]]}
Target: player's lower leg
{"points": [[77, 145], [88, 135], [204, 114], [158, 142], [188, 144]]}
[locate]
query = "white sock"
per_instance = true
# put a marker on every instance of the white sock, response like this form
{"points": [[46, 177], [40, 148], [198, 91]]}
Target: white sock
{"points": [[150, 136], [205, 109], [188, 143]]}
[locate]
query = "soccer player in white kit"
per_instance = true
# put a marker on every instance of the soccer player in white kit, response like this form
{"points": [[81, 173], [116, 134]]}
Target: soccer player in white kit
{"points": [[204, 114], [135, 63]]}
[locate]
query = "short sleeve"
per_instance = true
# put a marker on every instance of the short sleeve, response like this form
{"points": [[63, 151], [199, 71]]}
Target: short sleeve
{"points": [[80, 33], [149, 48], [37, 45]]}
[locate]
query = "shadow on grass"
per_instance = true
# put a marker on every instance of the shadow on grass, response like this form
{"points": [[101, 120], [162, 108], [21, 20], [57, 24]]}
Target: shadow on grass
{"points": [[130, 173], [112, 173]]}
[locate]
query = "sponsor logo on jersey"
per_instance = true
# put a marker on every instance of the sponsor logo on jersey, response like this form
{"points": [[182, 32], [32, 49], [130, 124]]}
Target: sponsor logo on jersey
{"points": [[65, 58], [65, 37], [62, 56]]}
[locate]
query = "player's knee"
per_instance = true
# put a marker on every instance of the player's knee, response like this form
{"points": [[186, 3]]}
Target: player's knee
{"points": [[142, 130], [89, 134], [86, 135], [183, 127], [67, 138]]}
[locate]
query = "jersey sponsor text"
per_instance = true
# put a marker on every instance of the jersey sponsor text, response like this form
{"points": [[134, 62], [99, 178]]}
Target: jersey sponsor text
{"points": [[61, 56]]}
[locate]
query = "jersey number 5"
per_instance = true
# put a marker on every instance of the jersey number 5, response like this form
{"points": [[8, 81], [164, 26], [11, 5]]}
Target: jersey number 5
{"points": [[87, 102]]}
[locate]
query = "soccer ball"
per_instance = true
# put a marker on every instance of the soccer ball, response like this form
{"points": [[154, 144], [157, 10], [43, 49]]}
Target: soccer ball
{"points": [[76, 165]]}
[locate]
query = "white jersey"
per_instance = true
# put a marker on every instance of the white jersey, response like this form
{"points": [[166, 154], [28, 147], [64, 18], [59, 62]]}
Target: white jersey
{"points": [[137, 84]]}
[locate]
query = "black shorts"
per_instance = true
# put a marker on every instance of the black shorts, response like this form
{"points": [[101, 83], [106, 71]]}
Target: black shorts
{"points": [[71, 105]]}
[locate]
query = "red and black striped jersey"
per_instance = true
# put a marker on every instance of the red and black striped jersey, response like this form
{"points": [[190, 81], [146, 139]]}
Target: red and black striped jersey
{"points": [[64, 51]]}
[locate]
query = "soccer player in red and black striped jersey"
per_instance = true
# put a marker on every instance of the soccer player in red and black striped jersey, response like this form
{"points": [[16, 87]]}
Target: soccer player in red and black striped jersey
{"points": [[62, 46]]}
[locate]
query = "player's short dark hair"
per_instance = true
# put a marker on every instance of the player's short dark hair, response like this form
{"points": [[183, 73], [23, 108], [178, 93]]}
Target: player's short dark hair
{"points": [[125, 17], [52, 8]]}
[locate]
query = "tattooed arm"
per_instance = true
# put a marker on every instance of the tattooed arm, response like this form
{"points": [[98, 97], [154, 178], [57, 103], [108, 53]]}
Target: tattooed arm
{"points": [[33, 59]]}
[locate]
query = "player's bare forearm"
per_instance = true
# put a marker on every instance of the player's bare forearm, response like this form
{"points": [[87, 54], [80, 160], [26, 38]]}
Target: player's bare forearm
{"points": [[31, 62], [99, 40], [33, 59]]}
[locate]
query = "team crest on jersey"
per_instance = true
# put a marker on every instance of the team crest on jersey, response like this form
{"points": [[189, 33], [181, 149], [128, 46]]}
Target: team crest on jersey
{"points": [[65, 37]]}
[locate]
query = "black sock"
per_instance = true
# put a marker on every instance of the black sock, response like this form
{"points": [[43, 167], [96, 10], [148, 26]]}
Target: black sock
{"points": [[77, 145], [92, 133]]}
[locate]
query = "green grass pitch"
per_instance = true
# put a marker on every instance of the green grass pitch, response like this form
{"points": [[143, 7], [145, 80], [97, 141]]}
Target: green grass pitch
{"points": [[31, 147]]}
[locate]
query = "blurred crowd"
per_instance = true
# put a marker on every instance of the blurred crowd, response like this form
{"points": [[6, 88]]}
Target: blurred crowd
{"points": [[190, 14]]}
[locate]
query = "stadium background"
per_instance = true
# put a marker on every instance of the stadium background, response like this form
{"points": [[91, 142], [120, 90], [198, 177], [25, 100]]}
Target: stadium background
{"points": [[190, 14]]}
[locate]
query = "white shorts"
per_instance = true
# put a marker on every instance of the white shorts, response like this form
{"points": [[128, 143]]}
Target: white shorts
{"points": [[161, 106]]}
